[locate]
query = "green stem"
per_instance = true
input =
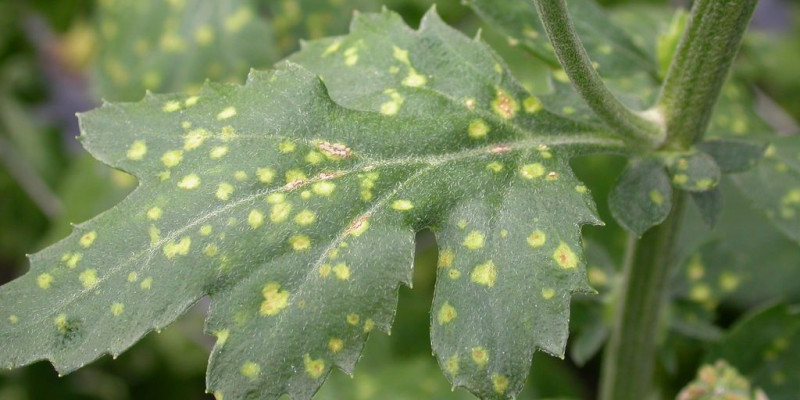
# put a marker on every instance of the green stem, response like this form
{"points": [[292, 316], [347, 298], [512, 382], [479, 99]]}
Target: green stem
{"points": [[704, 56], [634, 127], [629, 357]]}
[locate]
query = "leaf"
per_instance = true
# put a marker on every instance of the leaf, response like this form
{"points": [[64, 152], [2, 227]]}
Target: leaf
{"points": [[709, 203], [774, 185], [297, 215], [765, 347], [732, 155], [609, 47], [167, 46], [692, 171], [642, 197]]}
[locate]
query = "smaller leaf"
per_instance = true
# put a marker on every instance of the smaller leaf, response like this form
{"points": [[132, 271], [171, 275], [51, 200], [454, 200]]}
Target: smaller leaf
{"points": [[732, 155], [709, 204], [720, 381], [642, 197], [693, 171]]}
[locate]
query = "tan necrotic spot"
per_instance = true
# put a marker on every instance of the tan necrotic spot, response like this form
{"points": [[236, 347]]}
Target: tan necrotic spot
{"points": [[564, 256], [352, 319], [358, 227], [334, 150]]}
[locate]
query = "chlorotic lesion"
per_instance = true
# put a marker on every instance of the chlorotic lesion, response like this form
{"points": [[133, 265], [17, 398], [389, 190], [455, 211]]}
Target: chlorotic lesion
{"points": [[480, 356], [250, 370], [447, 313], [499, 383], [452, 365], [474, 240], [314, 367], [275, 299], [484, 274], [565, 257]]}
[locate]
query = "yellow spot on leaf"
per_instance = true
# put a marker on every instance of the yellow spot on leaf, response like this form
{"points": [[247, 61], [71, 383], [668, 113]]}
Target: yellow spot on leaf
{"points": [[402, 205], [255, 219], [265, 175], [117, 309], [280, 212], [532, 171], [700, 292], [480, 356], [729, 281], [133, 277], [204, 35], [228, 112], [414, 79], [548, 293], [494, 166], [581, 189], [358, 227], [171, 106], [250, 370], [335, 345], [504, 105], [44, 281], [87, 239], [484, 274], [73, 260], [314, 368], [211, 250], [323, 188], [352, 319], [680, 179], [222, 336], [224, 191], [532, 105], [13, 319], [474, 240], [240, 175], [537, 239], [305, 217], [88, 278], [325, 270], [146, 284], [154, 213], [564, 256], [300, 242], [218, 152], [446, 258], [286, 146], [206, 230], [500, 383], [172, 158], [179, 248], [194, 139], [275, 299], [478, 129], [61, 322], [597, 277], [446, 314], [342, 271], [189, 182], [369, 324], [454, 274], [137, 150], [452, 365]]}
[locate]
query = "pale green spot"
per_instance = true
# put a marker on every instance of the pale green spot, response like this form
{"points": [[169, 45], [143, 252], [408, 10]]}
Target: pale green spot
{"points": [[146, 284], [494, 166], [275, 299], [305, 217], [13, 319], [171, 106], [478, 129], [286, 146], [295, 175], [314, 368], [656, 197], [532, 105], [228, 112], [452, 365], [218, 152], [117, 309], [224, 191], [154, 214], [300, 242], [194, 139], [250, 370], [500, 383], [189, 182], [280, 212], [532, 171], [73, 260], [179, 248], [133, 277], [206, 230], [342, 271], [172, 158], [323, 188], [548, 293], [265, 175], [314, 157], [504, 105], [414, 79], [255, 219], [44, 281], [210, 250]]}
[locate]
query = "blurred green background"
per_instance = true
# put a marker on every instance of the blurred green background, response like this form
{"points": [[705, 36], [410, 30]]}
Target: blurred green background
{"points": [[66, 56]]}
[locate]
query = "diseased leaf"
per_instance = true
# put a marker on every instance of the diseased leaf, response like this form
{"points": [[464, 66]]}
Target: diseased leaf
{"points": [[720, 381], [765, 347], [692, 171], [774, 184], [732, 155], [297, 215], [167, 46], [610, 48], [709, 203], [642, 197]]}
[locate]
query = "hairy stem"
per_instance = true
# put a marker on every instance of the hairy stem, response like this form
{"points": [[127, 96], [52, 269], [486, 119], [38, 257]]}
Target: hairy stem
{"points": [[630, 125], [704, 56], [629, 357]]}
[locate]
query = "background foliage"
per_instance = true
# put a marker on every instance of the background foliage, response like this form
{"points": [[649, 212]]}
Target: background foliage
{"points": [[58, 58]]}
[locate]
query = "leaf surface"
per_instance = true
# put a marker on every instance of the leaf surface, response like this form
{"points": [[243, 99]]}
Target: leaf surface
{"points": [[293, 204], [642, 197]]}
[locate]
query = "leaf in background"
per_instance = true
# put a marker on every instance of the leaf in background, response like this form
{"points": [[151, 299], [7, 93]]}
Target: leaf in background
{"points": [[642, 197], [733, 155], [295, 214], [168, 46], [765, 347], [774, 185], [609, 47], [709, 204]]}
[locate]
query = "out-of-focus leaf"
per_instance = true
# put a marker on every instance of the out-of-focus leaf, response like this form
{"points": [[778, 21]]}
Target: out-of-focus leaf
{"points": [[642, 197], [720, 381], [765, 347], [168, 46], [733, 155], [709, 203]]}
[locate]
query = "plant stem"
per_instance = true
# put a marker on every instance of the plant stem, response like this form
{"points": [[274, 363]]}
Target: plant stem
{"points": [[629, 356], [704, 56], [628, 124]]}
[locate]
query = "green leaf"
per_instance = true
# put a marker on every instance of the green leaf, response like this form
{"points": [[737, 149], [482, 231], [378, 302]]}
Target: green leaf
{"points": [[166, 46], [297, 215], [709, 203], [732, 155], [774, 185], [610, 48], [765, 347], [642, 197], [692, 171]]}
